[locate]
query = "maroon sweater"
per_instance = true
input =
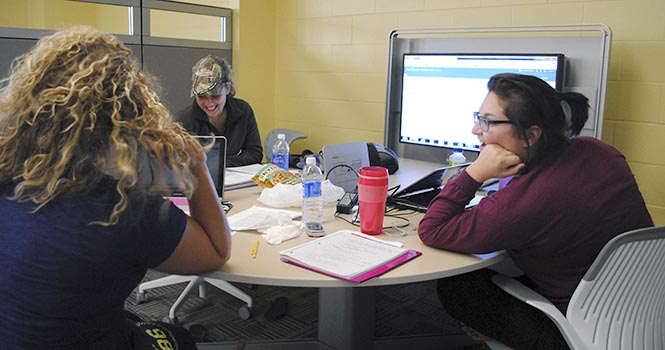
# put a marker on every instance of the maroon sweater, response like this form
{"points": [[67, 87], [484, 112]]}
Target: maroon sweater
{"points": [[552, 221]]}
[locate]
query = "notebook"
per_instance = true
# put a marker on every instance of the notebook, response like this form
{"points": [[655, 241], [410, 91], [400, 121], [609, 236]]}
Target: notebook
{"points": [[149, 175], [348, 255], [419, 194]]}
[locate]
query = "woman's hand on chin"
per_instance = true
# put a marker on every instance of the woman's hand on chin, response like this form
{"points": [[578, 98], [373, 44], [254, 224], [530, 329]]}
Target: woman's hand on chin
{"points": [[494, 161]]}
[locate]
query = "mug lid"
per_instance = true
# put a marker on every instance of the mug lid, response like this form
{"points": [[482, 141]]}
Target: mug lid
{"points": [[374, 171]]}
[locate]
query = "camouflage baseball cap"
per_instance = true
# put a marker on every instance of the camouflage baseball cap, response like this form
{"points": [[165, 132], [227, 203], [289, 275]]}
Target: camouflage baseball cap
{"points": [[207, 77]]}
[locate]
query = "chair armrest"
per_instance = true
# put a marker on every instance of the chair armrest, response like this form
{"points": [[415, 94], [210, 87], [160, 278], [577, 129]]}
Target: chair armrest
{"points": [[529, 296]]}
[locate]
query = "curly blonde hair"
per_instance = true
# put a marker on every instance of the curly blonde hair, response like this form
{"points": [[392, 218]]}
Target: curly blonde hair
{"points": [[76, 105]]}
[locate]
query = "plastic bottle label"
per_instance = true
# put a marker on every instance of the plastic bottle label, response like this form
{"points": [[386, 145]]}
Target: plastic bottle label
{"points": [[311, 189], [281, 160]]}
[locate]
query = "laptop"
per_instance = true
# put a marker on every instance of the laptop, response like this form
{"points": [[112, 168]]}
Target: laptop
{"points": [[419, 194], [216, 161]]}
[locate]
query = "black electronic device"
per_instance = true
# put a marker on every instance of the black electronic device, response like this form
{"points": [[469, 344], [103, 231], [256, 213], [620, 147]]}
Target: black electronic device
{"points": [[314, 229], [419, 194], [347, 202], [381, 155]]}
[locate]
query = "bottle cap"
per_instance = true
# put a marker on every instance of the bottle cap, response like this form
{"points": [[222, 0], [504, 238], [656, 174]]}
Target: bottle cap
{"points": [[310, 160], [281, 136], [457, 150]]}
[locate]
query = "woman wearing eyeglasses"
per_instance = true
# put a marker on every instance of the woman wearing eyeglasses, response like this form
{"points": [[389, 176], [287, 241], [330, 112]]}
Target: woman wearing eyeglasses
{"points": [[216, 110], [568, 196]]}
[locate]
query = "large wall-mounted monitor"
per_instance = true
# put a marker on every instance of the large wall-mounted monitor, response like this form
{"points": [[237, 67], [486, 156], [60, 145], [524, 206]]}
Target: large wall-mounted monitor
{"points": [[440, 92]]}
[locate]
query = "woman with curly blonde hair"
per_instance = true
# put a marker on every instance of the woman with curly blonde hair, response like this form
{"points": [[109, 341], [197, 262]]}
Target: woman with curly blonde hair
{"points": [[78, 231]]}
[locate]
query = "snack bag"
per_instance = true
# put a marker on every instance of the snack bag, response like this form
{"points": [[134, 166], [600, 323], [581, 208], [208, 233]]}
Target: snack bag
{"points": [[270, 175]]}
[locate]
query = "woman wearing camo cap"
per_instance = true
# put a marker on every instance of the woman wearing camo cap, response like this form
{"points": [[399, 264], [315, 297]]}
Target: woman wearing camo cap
{"points": [[216, 110]]}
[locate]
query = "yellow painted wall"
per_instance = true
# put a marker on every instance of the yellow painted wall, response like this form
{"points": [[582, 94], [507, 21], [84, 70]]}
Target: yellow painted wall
{"points": [[331, 59], [319, 66]]}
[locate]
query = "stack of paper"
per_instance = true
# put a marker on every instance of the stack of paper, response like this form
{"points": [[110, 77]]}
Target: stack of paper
{"points": [[241, 176], [349, 255]]}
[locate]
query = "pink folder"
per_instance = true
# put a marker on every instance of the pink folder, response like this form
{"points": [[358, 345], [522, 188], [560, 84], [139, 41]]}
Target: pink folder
{"points": [[410, 254]]}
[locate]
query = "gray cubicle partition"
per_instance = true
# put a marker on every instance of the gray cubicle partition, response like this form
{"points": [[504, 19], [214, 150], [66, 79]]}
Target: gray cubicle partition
{"points": [[14, 42], [169, 60], [586, 47], [172, 65]]}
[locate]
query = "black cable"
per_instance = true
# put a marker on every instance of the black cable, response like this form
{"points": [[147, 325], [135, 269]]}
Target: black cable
{"points": [[394, 190], [403, 204], [406, 224], [389, 205], [401, 209], [352, 221], [342, 166], [355, 220], [330, 171]]}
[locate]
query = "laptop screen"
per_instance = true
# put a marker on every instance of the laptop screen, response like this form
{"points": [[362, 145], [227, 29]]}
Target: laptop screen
{"points": [[150, 176]]}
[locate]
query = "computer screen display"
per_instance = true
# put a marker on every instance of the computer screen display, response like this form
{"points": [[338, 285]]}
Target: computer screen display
{"points": [[441, 91]]}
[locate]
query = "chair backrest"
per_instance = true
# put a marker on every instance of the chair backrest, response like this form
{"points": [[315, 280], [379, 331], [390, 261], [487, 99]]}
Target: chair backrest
{"points": [[290, 136], [620, 302]]}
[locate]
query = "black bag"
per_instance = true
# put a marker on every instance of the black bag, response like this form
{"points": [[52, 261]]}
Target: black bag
{"points": [[380, 155]]}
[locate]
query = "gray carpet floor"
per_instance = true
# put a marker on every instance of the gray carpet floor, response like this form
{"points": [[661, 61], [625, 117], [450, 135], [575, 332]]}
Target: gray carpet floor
{"points": [[402, 310]]}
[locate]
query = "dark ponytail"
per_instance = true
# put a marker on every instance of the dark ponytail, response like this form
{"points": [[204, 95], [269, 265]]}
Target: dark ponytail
{"points": [[578, 111]]}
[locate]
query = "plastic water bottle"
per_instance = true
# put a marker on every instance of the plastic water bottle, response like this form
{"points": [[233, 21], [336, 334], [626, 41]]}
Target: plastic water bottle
{"points": [[457, 157], [312, 198], [280, 152]]}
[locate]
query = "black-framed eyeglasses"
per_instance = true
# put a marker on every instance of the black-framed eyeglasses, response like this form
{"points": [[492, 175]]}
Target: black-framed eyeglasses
{"points": [[484, 122]]}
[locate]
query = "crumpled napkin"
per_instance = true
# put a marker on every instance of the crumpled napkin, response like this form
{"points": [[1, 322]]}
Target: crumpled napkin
{"points": [[285, 230], [256, 218], [283, 195]]}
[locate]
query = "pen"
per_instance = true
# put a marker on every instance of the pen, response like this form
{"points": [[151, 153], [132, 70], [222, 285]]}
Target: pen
{"points": [[255, 249]]}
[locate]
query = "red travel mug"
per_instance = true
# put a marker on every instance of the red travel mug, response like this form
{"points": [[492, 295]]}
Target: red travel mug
{"points": [[372, 193]]}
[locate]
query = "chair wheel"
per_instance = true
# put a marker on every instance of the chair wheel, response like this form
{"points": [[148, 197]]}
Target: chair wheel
{"points": [[170, 320], [140, 297], [245, 312]]}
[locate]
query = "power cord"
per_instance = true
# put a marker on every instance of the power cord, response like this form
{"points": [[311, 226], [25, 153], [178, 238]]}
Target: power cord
{"points": [[347, 205], [342, 166], [402, 204], [355, 221]]}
